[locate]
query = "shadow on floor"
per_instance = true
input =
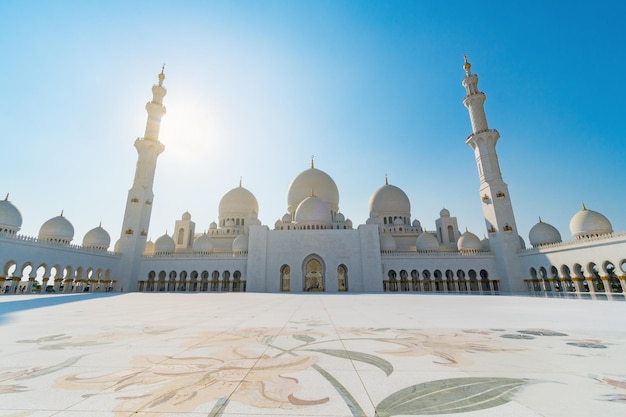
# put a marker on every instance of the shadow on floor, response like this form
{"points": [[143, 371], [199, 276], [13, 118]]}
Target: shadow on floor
{"points": [[38, 301]]}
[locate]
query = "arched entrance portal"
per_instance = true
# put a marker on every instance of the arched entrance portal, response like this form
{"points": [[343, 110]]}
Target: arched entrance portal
{"points": [[313, 274]]}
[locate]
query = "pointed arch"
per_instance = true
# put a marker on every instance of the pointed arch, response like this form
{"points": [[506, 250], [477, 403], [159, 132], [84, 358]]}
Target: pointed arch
{"points": [[342, 278], [313, 273]]}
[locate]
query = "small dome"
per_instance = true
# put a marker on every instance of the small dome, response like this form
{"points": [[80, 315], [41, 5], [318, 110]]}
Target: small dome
{"points": [[444, 213], [426, 242], [203, 244], [313, 211], [57, 229], [278, 224], [97, 238], [240, 244], [213, 225], [149, 248], [468, 242], [230, 223], [116, 247], [238, 202], [349, 223], [398, 222], [389, 200], [10, 217], [485, 246], [186, 216], [416, 223], [387, 243], [340, 217], [312, 179], [588, 223], [543, 234], [164, 245], [286, 218], [522, 244]]}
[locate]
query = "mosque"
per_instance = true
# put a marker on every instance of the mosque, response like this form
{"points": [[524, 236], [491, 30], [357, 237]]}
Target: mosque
{"points": [[314, 247]]}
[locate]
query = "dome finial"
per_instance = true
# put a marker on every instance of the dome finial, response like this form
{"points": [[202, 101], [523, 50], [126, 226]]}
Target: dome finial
{"points": [[540, 221], [584, 208], [100, 225], [61, 212], [7, 197], [312, 161], [162, 75], [240, 181], [386, 180], [466, 66]]}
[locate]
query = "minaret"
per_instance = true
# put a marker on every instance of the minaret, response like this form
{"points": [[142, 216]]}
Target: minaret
{"points": [[139, 202], [494, 193]]}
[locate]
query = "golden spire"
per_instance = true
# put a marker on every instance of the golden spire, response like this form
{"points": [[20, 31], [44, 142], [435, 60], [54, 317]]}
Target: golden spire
{"points": [[240, 181], [7, 197], [312, 161], [162, 75], [386, 180], [61, 212], [100, 225], [466, 66], [540, 221], [584, 208]]}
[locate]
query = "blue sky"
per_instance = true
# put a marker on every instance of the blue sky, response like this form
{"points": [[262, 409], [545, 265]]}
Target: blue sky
{"points": [[256, 88]]}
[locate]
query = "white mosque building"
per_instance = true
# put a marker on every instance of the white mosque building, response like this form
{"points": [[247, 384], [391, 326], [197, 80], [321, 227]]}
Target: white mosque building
{"points": [[314, 247]]}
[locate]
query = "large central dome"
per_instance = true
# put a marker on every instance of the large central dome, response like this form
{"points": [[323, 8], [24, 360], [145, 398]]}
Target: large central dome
{"points": [[316, 181], [238, 202], [389, 200]]}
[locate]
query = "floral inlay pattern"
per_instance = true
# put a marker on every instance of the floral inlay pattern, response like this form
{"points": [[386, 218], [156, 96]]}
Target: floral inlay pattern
{"points": [[262, 368]]}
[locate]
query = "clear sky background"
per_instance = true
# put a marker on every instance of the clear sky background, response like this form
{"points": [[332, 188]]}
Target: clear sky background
{"points": [[255, 88]]}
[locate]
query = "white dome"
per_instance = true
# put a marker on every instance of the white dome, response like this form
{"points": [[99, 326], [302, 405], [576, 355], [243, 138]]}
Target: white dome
{"points": [[340, 217], [10, 216], [485, 245], [186, 216], [164, 245], [203, 244], [444, 212], [468, 242], [416, 223], [389, 200], [240, 244], [398, 222], [387, 243], [213, 225], [286, 218], [589, 223], [230, 223], [148, 249], [118, 243], [97, 238], [426, 242], [57, 229], [349, 223], [238, 202], [543, 234], [314, 211], [316, 181]]}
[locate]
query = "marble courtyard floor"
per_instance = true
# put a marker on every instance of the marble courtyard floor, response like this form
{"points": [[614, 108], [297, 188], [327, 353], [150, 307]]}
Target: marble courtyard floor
{"points": [[246, 354]]}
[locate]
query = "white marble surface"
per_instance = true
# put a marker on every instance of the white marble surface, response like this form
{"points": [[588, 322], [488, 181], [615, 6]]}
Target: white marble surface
{"points": [[326, 355]]}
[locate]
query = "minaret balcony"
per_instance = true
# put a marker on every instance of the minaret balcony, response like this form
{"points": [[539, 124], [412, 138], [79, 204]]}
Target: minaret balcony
{"points": [[479, 132]]}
